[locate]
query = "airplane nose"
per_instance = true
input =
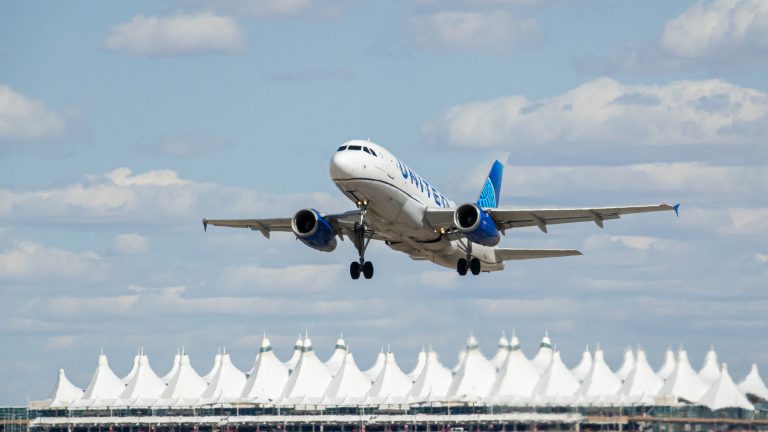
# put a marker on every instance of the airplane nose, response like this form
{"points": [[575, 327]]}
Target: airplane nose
{"points": [[343, 165]]}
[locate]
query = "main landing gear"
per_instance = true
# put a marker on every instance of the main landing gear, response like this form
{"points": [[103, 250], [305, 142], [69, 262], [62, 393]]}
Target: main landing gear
{"points": [[361, 236], [469, 263]]}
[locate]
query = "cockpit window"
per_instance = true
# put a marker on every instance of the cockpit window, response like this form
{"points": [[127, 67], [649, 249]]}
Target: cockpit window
{"points": [[365, 149], [373, 152], [342, 148], [355, 147]]}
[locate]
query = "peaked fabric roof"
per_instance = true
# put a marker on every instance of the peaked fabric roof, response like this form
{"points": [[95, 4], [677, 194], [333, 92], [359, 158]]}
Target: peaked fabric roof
{"points": [[349, 381], [557, 384], [310, 378], [642, 384], [64, 392], [227, 383], [214, 369], [459, 361], [268, 378], [167, 377], [516, 377], [134, 366], [378, 365], [753, 384], [627, 365], [585, 364], [337, 358], [421, 360], [600, 384], [475, 376], [669, 365], [433, 381], [502, 349], [145, 383], [710, 371], [104, 383], [298, 347], [391, 382], [724, 394], [186, 383], [544, 356], [684, 382]]}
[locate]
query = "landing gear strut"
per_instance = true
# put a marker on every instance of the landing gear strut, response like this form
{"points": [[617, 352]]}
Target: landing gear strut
{"points": [[469, 263], [361, 236]]}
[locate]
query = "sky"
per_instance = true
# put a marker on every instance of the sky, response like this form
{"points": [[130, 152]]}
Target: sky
{"points": [[123, 124]]}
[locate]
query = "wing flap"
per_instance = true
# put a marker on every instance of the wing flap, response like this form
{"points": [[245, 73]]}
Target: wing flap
{"points": [[523, 254], [265, 226]]}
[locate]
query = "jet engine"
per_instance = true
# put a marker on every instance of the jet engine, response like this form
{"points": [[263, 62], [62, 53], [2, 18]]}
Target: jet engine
{"points": [[476, 225], [314, 230]]}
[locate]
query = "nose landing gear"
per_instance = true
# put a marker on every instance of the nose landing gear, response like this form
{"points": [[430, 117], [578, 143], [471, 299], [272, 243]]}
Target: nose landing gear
{"points": [[361, 237]]}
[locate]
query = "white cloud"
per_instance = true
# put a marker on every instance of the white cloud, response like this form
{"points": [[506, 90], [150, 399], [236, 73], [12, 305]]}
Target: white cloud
{"points": [[25, 119], [130, 244], [718, 28], [204, 32], [29, 261], [604, 111], [260, 8], [761, 258], [495, 32], [302, 277]]}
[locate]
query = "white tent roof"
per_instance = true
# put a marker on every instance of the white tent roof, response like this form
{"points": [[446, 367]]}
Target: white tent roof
{"points": [[185, 383], [391, 382], [268, 378], [710, 371], [502, 350], [585, 364], [642, 385], [544, 356], [516, 377], [337, 358], [669, 365], [167, 377], [214, 369], [349, 382], [421, 360], [724, 394], [753, 384], [684, 382], [310, 378], [475, 377], [64, 392], [600, 384], [627, 365], [104, 383], [378, 364], [433, 381], [459, 361], [145, 383], [134, 366], [295, 355], [227, 383], [557, 384]]}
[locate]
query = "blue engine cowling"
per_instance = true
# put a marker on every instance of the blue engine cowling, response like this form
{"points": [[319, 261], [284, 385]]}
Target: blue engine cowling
{"points": [[476, 225], [313, 230]]}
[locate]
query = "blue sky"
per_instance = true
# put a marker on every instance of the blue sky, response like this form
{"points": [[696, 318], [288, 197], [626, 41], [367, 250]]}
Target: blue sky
{"points": [[122, 125]]}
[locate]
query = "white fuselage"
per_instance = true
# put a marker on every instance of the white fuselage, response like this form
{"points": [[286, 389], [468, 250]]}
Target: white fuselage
{"points": [[396, 199]]}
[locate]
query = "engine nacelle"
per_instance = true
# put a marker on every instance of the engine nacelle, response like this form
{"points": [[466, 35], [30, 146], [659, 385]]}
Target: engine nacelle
{"points": [[313, 230], [476, 225]]}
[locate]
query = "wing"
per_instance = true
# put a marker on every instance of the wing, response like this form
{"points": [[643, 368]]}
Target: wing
{"points": [[342, 223], [505, 219], [522, 254]]}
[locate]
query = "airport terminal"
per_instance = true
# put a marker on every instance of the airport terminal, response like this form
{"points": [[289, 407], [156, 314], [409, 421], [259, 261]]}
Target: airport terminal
{"points": [[508, 391]]}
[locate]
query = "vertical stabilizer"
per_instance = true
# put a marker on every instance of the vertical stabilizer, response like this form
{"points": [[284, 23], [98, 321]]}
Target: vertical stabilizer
{"points": [[489, 197]]}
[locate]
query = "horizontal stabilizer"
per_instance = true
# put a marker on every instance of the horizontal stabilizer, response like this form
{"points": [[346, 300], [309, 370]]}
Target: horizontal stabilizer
{"points": [[522, 254]]}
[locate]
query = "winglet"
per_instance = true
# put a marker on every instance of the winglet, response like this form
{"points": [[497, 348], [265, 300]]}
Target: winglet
{"points": [[676, 208], [205, 224]]}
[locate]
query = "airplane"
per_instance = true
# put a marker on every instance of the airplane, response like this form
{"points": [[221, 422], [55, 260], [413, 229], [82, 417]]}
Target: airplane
{"points": [[410, 215]]}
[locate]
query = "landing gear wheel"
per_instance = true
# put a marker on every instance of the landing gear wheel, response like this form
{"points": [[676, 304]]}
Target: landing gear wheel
{"points": [[368, 269], [474, 265], [354, 270], [461, 267]]}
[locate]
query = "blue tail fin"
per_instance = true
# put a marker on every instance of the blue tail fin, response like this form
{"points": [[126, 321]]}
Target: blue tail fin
{"points": [[489, 197]]}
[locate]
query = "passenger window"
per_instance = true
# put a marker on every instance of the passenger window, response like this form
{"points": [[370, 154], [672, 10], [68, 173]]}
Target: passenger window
{"points": [[342, 148], [355, 147]]}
